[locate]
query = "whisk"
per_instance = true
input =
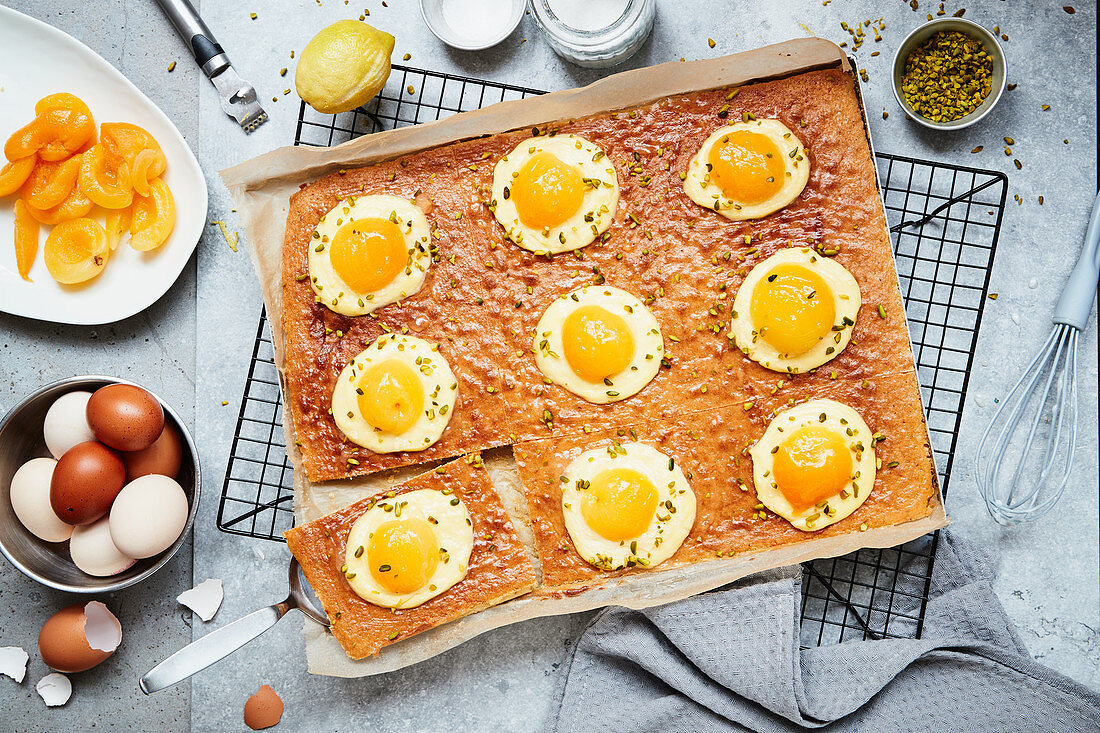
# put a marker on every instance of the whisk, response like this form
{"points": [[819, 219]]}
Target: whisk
{"points": [[1048, 388]]}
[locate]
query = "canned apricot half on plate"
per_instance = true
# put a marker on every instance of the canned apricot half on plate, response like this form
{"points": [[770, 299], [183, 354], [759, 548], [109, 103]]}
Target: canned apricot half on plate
{"points": [[13, 174], [154, 215], [50, 183], [105, 179], [76, 251], [26, 240]]}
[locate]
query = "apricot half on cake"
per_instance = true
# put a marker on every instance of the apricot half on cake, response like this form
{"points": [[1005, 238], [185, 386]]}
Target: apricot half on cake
{"points": [[795, 311], [408, 549], [600, 343], [555, 194], [748, 169], [367, 252], [626, 505], [398, 394], [815, 464]]}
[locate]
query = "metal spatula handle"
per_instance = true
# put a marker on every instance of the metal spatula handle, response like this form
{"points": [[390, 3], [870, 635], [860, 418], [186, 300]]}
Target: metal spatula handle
{"points": [[213, 647], [1076, 302], [204, 47]]}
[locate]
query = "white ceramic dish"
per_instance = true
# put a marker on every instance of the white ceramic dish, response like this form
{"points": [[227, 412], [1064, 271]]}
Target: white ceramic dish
{"points": [[49, 61], [464, 33]]}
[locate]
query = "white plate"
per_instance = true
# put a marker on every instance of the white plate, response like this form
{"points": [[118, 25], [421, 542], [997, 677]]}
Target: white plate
{"points": [[47, 61]]}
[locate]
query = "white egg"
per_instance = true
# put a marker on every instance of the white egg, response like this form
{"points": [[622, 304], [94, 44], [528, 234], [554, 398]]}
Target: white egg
{"points": [[93, 551], [748, 169], [815, 464], [795, 311], [626, 505], [600, 343], [66, 423], [367, 252], [148, 515], [398, 394], [30, 498], [409, 548], [555, 193]]}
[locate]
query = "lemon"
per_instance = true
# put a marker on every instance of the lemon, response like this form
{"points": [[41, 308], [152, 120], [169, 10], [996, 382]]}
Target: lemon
{"points": [[344, 66]]}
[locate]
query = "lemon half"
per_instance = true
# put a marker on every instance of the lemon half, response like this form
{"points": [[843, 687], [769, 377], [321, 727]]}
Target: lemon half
{"points": [[344, 66]]}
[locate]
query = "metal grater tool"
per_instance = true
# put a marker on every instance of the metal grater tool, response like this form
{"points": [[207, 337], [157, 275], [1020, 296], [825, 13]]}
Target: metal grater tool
{"points": [[238, 97]]}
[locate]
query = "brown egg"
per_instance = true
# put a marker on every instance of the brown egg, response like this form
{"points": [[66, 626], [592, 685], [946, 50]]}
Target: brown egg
{"points": [[85, 481], [79, 637], [125, 417], [264, 709], [163, 457]]}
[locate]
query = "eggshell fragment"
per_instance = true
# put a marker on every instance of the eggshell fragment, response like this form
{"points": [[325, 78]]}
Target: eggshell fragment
{"points": [[204, 599], [164, 456], [30, 498], [54, 689], [66, 424], [13, 662], [264, 709], [79, 637], [93, 551], [148, 515], [102, 628], [125, 417], [84, 483]]}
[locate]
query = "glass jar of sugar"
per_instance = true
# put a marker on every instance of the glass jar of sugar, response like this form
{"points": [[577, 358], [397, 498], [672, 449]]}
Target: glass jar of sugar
{"points": [[595, 33]]}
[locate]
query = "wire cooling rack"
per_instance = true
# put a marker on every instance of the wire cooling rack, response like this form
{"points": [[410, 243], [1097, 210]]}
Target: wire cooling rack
{"points": [[947, 220]]}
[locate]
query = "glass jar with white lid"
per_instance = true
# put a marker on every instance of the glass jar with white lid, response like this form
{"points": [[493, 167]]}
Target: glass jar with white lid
{"points": [[595, 33]]}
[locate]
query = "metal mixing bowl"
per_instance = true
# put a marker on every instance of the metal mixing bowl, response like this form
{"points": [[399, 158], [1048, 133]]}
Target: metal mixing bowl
{"points": [[48, 562], [992, 47]]}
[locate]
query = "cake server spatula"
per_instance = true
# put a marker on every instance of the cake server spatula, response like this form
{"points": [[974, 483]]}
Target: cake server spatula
{"points": [[238, 97], [220, 643]]}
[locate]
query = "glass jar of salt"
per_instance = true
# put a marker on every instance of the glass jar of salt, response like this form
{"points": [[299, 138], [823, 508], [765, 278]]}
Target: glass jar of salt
{"points": [[595, 33]]}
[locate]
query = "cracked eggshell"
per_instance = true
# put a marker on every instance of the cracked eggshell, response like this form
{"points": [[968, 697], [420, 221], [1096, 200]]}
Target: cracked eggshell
{"points": [[93, 551], [54, 689], [204, 599], [30, 499], [66, 423], [13, 662], [79, 637], [264, 709]]}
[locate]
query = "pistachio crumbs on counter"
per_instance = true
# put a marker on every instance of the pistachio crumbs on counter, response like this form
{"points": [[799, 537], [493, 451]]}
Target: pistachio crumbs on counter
{"points": [[947, 76]]}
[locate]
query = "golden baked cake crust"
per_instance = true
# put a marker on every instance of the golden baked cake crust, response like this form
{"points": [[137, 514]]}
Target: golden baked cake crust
{"points": [[483, 296], [499, 568]]}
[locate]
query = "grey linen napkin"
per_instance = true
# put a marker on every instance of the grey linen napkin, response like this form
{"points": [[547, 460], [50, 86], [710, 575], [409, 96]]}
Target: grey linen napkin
{"points": [[730, 660]]}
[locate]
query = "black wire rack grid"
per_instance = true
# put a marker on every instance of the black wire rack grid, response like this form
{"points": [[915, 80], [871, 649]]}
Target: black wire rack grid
{"points": [[947, 219]]}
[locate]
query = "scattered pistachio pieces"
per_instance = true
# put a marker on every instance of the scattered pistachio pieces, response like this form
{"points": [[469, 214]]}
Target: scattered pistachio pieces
{"points": [[172, 67], [252, 15], [710, 42], [993, 296], [282, 71], [1046, 107], [406, 57]]}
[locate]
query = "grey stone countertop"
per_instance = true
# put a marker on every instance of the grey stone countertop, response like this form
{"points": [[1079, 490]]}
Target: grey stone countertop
{"points": [[193, 348]]}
